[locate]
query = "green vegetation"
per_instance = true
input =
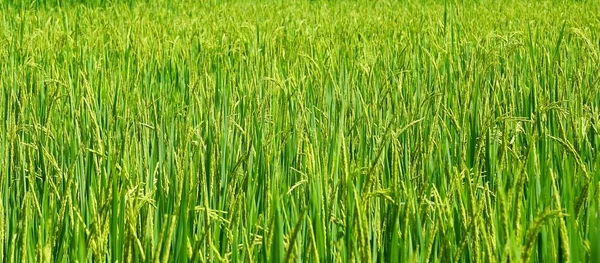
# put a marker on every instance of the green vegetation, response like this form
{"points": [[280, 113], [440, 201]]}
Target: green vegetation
{"points": [[315, 131]]}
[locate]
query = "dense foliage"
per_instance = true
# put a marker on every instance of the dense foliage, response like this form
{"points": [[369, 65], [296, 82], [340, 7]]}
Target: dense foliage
{"points": [[315, 131]]}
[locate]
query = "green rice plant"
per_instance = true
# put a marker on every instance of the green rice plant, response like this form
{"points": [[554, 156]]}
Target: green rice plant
{"points": [[320, 131]]}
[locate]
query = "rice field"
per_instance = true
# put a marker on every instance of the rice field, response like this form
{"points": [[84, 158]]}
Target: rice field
{"points": [[299, 131]]}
